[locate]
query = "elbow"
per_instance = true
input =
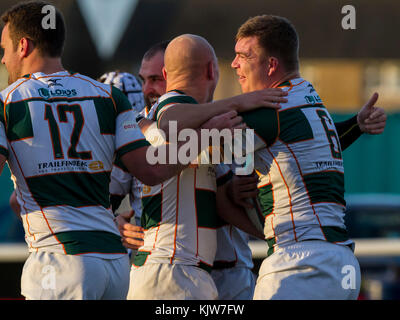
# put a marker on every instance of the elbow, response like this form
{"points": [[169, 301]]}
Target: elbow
{"points": [[151, 177]]}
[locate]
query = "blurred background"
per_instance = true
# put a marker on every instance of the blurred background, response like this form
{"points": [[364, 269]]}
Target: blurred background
{"points": [[345, 66]]}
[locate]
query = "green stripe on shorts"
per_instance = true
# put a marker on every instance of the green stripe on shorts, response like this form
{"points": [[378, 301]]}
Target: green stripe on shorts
{"points": [[88, 241], [151, 213], [140, 258]]}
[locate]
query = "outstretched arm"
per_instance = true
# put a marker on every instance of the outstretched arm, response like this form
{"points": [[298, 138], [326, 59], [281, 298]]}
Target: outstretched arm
{"points": [[194, 115], [140, 165], [370, 119]]}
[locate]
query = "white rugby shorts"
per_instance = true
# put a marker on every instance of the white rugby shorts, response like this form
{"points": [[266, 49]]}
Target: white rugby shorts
{"points": [[53, 276], [309, 270], [162, 281]]}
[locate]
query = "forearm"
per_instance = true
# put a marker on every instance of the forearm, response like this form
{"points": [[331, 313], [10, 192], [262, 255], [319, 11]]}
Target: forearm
{"points": [[192, 116], [348, 132], [235, 215], [115, 200], [153, 165]]}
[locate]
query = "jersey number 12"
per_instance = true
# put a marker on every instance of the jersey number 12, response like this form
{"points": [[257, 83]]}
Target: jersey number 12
{"points": [[62, 110]]}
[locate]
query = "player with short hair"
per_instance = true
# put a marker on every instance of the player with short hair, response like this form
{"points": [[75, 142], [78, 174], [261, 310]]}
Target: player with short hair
{"points": [[299, 161], [153, 82], [233, 254], [179, 216], [59, 132], [370, 119]]}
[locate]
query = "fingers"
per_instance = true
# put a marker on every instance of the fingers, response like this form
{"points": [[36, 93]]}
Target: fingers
{"points": [[376, 128], [273, 97], [234, 121], [229, 114], [371, 102], [132, 234], [269, 104], [240, 126], [131, 227], [132, 243], [377, 115], [376, 121], [278, 92]]}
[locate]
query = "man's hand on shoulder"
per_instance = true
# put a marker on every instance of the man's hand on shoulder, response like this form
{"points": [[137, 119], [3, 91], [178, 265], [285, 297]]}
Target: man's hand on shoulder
{"points": [[270, 98]]}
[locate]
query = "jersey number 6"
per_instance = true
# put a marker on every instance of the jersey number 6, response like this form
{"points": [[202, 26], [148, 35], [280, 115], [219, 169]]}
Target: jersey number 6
{"points": [[330, 134]]}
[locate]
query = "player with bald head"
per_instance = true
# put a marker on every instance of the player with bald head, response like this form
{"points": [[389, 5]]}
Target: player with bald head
{"points": [[179, 216], [190, 63]]}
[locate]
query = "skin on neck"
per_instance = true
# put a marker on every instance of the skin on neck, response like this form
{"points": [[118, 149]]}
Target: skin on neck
{"points": [[277, 73], [286, 76], [190, 66], [34, 62]]}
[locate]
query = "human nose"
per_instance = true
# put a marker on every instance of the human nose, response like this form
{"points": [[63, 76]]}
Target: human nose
{"points": [[234, 63]]}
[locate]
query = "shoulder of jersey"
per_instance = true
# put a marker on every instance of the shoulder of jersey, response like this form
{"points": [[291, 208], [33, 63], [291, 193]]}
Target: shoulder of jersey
{"points": [[11, 89], [168, 95], [300, 93], [165, 96], [27, 87]]}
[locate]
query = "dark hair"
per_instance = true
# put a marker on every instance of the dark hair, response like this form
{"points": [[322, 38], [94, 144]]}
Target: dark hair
{"points": [[25, 21], [158, 47], [276, 35]]}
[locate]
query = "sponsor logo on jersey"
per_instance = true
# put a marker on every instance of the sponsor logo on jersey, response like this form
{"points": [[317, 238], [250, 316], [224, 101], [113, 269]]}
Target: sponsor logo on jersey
{"points": [[47, 93], [313, 99], [96, 165], [129, 125], [62, 165], [328, 164], [53, 83], [146, 189]]}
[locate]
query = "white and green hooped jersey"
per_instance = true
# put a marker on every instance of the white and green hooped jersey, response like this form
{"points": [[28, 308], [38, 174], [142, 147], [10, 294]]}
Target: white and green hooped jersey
{"points": [[179, 216], [59, 133], [299, 160]]}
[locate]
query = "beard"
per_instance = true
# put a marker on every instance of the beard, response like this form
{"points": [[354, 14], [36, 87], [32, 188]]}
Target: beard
{"points": [[150, 100]]}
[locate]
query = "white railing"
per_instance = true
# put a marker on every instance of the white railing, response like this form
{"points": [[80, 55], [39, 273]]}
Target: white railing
{"points": [[364, 248], [18, 252]]}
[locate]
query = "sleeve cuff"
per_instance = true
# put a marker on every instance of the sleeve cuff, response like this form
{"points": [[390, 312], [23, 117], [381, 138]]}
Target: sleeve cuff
{"points": [[131, 146]]}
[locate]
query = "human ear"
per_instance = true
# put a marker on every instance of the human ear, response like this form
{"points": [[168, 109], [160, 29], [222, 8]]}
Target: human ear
{"points": [[273, 64], [25, 47]]}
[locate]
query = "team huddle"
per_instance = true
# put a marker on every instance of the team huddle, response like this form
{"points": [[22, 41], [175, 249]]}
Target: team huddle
{"points": [[77, 146]]}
